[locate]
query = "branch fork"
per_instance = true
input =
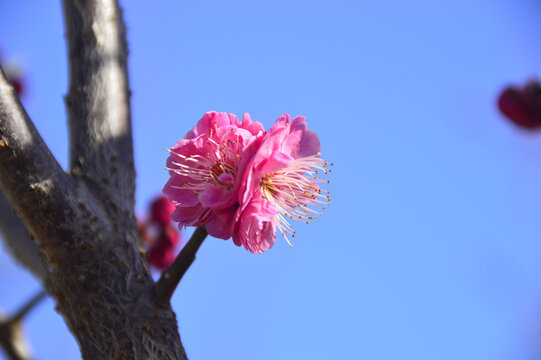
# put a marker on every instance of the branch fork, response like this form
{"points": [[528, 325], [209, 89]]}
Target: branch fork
{"points": [[76, 230]]}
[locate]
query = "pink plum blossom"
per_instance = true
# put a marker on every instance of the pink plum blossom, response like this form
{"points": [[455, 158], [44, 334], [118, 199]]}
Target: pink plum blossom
{"points": [[204, 167], [280, 183], [242, 182]]}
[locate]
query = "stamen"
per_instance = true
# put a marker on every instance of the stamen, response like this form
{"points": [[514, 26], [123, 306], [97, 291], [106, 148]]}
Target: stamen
{"points": [[294, 192], [199, 170]]}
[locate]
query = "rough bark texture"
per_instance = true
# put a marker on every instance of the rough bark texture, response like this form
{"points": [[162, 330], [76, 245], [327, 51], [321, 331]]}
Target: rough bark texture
{"points": [[18, 241], [83, 221], [101, 149]]}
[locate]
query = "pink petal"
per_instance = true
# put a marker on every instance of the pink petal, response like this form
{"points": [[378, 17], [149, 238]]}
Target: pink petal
{"points": [[309, 144], [276, 161], [221, 223], [255, 229], [254, 127], [214, 196], [300, 142], [189, 216], [179, 196], [282, 121]]}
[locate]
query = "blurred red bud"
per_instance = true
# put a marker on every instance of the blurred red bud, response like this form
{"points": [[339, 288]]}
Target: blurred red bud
{"points": [[18, 85], [169, 236], [161, 210], [522, 106], [159, 234], [161, 257]]}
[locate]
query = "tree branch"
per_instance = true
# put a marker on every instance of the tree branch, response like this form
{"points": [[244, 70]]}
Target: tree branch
{"points": [[11, 335], [29, 305], [170, 278], [12, 340], [83, 223], [18, 240], [101, 148], [97, 275], [37, 187]]}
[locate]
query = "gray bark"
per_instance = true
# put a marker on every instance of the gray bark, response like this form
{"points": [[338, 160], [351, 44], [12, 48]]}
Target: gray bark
{"points": [[101, 150], [83, 221], [18, 241]]}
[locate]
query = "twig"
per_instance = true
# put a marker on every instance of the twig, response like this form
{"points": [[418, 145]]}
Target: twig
{"points": [[11, 335], [29, 305], [170, 278], [13, 342]]}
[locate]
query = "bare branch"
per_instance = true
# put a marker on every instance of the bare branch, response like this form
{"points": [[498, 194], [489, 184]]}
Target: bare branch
{"points": [[101, 148], [29, 305], [37, 187], [12, 341], [170, 278], [18, 240], [11, 335]]}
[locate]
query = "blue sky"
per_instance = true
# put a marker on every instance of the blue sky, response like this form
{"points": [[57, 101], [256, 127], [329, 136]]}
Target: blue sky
{"points": [[431, 248]]}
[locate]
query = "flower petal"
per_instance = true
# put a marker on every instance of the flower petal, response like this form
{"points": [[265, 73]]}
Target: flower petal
{"points": [[276, 161], [220, 225]]}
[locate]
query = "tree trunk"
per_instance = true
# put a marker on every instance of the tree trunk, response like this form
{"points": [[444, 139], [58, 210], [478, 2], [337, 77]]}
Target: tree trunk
{"points": [[82, 222]]}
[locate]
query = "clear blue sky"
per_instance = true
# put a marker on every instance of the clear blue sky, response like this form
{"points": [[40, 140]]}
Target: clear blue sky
{"points": [[432, 246]]}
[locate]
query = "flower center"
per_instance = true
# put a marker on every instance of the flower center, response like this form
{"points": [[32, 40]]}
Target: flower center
{"points": [[201, 170], [295, 193]]}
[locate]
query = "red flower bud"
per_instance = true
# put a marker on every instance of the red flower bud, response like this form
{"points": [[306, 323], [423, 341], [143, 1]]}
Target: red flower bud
{"points": [[169, 236], [522, 106], [159, 234], [161, 210], [161, 257], [18, 85]]}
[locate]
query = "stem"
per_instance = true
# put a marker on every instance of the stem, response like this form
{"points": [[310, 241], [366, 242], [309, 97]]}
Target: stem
{"points": [[170, 278], [30, 304], [11, 335]]}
